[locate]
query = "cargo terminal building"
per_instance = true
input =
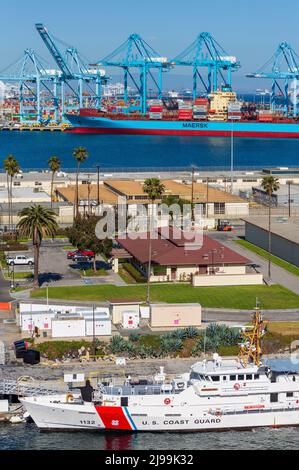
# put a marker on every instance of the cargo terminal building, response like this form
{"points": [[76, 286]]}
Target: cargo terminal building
{"points": [[284, 239]]}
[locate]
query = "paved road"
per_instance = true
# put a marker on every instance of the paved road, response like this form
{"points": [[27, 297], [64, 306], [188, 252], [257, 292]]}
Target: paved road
{"points": [[278, 275]]}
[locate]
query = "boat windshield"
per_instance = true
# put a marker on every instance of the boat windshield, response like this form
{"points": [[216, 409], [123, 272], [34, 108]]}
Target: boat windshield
{"points": [[197, 376]]}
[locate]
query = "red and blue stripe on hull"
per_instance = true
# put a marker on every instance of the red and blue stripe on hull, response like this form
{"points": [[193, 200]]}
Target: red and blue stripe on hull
{"points": [[99, 125], [116, 417]]}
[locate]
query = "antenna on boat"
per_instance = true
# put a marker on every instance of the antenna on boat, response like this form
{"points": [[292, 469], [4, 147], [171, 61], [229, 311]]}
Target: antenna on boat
{"points": [[250, 348]]}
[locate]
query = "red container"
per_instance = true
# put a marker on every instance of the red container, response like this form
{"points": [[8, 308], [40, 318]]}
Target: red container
{"points": [[156, 109]]}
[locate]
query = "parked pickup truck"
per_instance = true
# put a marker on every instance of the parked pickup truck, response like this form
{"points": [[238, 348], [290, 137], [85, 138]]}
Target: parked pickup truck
{"points": [[19, 259]]}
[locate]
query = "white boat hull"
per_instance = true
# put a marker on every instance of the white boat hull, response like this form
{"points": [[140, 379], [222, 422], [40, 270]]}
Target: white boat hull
{"points": [[88, 416]]}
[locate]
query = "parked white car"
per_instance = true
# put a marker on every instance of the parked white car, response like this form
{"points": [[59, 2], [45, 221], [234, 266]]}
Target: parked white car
{"points": [[19, 260]]}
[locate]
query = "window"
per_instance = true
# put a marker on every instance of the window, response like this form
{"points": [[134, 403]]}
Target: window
{"points": [[232, 377], [215, 378], [241, 377], [273, 397], [248, 376], [290, 394], [219, 208], [224, 377], [256, 376], [17, 183]]}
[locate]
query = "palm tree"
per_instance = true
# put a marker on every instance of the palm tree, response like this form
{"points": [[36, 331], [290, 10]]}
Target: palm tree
{"points": [[80, 154], [11, 167], [154, 189], [54, 165], [37, 222], [269, 185]]}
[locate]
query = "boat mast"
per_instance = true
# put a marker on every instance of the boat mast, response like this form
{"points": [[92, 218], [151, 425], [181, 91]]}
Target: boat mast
{"points": [[250, 348]]}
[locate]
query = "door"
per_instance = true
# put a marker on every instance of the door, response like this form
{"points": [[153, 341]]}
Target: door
{"points": [[173, 274]]}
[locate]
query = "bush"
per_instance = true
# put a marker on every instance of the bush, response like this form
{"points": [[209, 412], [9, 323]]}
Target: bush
{"points": [[117, 344], [60, 349], [136, 275]]}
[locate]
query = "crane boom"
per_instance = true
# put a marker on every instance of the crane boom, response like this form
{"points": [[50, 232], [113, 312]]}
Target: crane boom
{"points": [[54, 51]]}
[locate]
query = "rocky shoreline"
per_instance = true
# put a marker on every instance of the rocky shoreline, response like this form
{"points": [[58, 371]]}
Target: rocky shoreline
{"points": [[54, 371]]}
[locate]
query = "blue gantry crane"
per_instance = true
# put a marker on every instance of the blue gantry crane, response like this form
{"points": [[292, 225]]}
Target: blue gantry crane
{"points": [[136, 53], [283, 66], [73, 69], [211, 64], [34, 80]]}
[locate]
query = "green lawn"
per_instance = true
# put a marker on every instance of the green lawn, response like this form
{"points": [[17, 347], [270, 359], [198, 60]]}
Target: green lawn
{"points": [[243, 297], [264, 254], [19, 275]]}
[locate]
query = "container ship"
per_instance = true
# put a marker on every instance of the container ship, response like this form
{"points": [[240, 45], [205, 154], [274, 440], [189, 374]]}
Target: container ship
{"points": [[220, 114], [218, 394]]}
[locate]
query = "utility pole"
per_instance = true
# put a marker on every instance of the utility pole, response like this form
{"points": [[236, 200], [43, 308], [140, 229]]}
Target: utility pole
{"points": [[93, 334], [207, 203], [98, 184], [192, 196], [289, 197]]}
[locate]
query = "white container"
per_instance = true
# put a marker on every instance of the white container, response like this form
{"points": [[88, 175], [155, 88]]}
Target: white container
{"points": [[130, 320], [144, 312], [73, 378], [101, 327], [68, 328], [4, 406]]}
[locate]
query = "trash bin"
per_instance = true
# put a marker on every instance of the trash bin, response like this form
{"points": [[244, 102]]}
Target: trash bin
{"points": [[31, 356]]}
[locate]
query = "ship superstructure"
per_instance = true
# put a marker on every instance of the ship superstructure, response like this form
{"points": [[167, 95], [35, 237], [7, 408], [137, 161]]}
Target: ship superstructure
{"points": [[215, 394]]}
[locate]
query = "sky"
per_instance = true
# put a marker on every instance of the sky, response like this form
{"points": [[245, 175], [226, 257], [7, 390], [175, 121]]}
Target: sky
{"points": [[250, 29]]}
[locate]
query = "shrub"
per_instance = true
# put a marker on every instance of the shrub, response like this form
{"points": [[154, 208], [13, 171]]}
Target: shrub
{"points": [[136, 275], [117, 344]]}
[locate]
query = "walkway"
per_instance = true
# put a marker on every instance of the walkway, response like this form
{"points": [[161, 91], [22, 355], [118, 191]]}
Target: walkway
{"points": [[279, 275]]}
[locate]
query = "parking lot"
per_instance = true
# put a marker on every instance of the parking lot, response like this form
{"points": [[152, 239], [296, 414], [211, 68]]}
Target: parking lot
{"points": [[54, 265]]}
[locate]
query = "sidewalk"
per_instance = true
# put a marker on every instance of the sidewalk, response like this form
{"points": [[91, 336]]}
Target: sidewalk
{"points": [[279, 275]]}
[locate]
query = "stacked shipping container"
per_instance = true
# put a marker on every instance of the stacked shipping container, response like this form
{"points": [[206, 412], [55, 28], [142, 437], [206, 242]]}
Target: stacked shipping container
{"points": [[234, 111], [200, 108], [155, 109], [185, 111]]}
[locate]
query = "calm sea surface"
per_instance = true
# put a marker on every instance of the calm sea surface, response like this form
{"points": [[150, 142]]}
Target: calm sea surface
{"points": [[33, 149], [27, 436]]}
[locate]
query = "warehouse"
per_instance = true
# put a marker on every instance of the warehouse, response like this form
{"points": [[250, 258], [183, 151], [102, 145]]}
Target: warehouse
{"points": [[284, 239]]}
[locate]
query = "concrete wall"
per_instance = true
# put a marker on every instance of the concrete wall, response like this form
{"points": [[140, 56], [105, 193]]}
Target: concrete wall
{"points": [[281, 247], [174, 316], [227, 280]]}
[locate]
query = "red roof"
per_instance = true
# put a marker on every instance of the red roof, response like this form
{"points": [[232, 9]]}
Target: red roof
{"points": [[168, 251]]}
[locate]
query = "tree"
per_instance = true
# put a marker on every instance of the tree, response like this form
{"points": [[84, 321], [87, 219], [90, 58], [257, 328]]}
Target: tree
{"points": [[82, 235], [54, 165], [269, 185], [154, 189], [37, 222], [80, 154], [12, 168]]}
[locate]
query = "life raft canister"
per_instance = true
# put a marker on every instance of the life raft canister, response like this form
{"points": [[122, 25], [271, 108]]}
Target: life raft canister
{"points": [[69, 397], [237, 386]]}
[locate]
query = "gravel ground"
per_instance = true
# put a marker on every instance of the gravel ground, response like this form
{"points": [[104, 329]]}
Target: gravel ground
{"points": [[144, 367]]}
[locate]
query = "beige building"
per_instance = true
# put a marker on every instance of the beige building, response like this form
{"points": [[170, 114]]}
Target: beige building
{"points": [[173, 316]]}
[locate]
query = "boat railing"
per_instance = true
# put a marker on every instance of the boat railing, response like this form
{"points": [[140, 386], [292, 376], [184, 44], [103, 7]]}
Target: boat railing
{"points": [[127, 390], [252, 409]]}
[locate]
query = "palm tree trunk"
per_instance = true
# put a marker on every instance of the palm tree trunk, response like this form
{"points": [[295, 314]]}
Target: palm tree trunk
{"points": [[76, 203], [52, 184], [269, 237], [149, 267], [36, 266], [36, 245], [94, 263], [8, 201]]}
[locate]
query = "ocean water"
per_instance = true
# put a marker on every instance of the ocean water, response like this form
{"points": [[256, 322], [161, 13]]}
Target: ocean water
{"points": [[33, 149], [27, 437]]}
